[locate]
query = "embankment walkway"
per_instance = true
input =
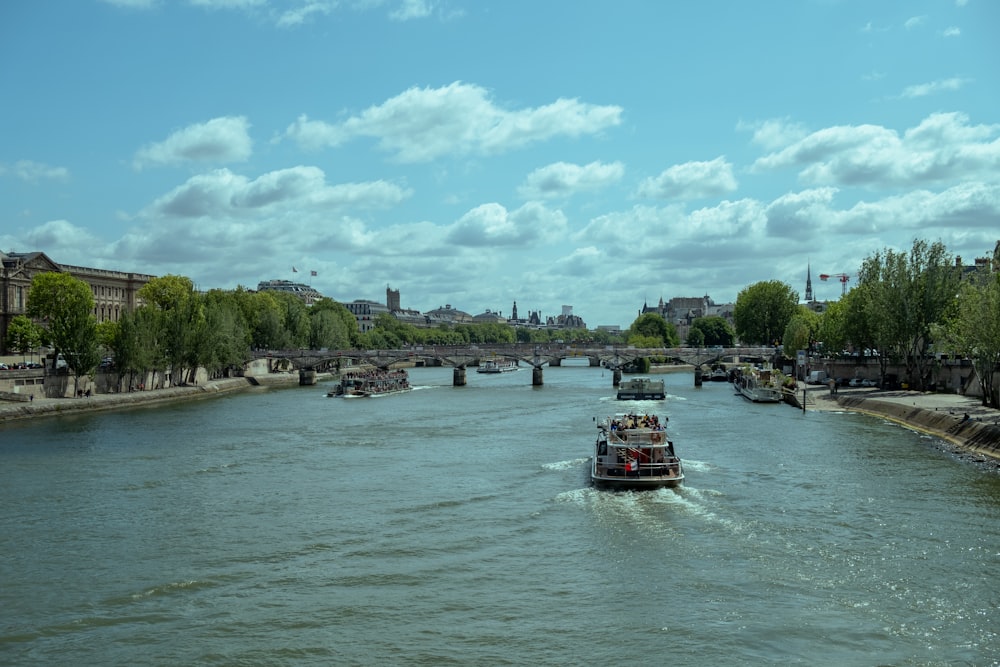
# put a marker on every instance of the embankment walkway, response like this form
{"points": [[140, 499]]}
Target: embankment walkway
{"points": [[51, 407], [959, 420]]}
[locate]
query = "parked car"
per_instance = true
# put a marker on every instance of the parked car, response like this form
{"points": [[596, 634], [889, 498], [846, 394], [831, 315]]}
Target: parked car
{"points": [[855, 382], [869, 383]]}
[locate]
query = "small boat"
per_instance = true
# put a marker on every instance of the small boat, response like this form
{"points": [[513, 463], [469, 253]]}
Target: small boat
{"points": [[641, 389], [760, 385], [633, 451], [719, 375], [367, 384], [497, 366]]}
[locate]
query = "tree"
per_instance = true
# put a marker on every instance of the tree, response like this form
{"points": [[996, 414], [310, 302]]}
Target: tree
{"points": [[832, 331], [65, 305], [331, 325], [695, 338], [801, 331], [652, 328], [23, 335], [902, 296], [763, 310], [171, 298], [974, 331], [715, 330]]}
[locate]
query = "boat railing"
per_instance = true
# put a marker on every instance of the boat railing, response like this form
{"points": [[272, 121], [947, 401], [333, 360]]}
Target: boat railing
{"points": [[638, 438]]}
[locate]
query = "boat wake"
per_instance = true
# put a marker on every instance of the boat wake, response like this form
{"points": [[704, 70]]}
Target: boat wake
{"points": [[571, 464]]}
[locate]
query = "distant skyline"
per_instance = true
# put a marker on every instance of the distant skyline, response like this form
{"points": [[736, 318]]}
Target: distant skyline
{"points": [[479, 153]]}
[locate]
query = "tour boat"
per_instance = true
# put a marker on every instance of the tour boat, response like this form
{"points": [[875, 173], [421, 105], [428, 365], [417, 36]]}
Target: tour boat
{"points": [[641, 389], [760, 385], [367, 384], [497, 366], [633, 451]]}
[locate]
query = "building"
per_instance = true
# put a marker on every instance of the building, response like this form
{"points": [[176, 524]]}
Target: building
{"points": [[365, 313], [304, 292], [447, 315], [115, 292], [565, 320]]}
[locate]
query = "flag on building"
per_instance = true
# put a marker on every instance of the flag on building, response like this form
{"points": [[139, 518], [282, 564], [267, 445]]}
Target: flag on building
{"points": [[312, 273], [294, 270]]}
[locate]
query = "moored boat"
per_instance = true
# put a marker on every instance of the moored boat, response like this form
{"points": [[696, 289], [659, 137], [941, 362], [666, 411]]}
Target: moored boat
{"points": [[760, 385], [367, 384], [641, 389], [719, 375], [633, 451], [497, 366]]}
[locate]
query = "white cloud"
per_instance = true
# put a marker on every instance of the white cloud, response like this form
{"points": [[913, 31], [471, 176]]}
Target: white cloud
{"points": [[305, 11], [132, 4], [30, 171], [952, 31], [422, 124], [774, 133], [943, 147], [227, 4], [691, 180], [411, 9], [301, 191], [934, 87], [491, 225], [914, 22], [563, 179], [219, 140]]}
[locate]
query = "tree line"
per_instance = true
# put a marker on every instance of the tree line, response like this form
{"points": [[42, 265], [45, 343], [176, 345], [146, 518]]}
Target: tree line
{"points": [[905, 306]]}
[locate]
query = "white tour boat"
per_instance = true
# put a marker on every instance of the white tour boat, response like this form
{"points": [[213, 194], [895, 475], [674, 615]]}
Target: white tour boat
{"points": [[633, 451]]}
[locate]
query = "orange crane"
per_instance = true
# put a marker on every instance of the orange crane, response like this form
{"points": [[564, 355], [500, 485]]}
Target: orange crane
{"points": [[842, 277]]}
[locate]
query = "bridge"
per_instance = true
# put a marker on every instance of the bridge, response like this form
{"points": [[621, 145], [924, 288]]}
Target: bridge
{"points": [[460, 357]]}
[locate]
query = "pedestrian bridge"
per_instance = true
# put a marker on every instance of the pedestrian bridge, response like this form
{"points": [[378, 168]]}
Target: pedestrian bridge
{"points": [[460, 357]]}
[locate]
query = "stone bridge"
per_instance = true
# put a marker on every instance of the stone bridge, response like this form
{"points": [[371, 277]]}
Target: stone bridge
{"points": [[613, 357]]}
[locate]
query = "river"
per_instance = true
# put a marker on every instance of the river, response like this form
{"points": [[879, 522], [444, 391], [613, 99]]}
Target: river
{"points": [[455, 525]]}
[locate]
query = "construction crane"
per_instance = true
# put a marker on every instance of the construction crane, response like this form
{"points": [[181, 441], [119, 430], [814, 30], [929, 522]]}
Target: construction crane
{"points": [[842, 277]]}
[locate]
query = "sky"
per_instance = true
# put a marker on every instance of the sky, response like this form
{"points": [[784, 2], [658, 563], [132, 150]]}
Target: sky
{"points": [[599, 155]]}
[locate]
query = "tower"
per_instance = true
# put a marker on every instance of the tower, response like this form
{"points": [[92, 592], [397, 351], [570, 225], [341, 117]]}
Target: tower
{"points": [[392, 299], [809, 284], [513, 314]]}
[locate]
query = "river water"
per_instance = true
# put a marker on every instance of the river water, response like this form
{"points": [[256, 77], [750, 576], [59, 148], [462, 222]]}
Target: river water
{"points": [[457, 526]]}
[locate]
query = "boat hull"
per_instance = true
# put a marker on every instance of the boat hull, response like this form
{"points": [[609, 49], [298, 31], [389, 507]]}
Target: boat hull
{"points": [[625, 483], [642, 389], [641, 396]]}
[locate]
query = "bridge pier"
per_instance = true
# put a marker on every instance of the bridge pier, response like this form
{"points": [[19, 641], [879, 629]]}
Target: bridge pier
{"points": [[697, 377], [458, 377], [307, 377], [616, 377], [536, 376]]}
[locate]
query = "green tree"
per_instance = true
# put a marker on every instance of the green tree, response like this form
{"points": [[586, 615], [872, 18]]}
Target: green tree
{"points": [[974, 331], [833, 326], [332, 326], [652, 330], [715, 330], [695, 338], [763, 310], [23, 335], [902, 295], [177, 315], [64, 305]]}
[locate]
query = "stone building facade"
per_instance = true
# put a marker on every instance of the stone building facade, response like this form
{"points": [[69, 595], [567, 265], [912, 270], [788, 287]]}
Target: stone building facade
{"points": [[115, 292]]}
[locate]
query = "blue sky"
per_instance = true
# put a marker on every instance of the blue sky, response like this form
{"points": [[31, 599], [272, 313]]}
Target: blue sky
{"points": [[592, 154]]}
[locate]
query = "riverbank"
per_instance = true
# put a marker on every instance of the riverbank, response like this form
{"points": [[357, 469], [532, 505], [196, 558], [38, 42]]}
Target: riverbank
{"points": [[959, 420], [51, 407]]}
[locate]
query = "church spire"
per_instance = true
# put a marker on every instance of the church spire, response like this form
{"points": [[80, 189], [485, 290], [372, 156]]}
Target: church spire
{"points": [[809, 284]]}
